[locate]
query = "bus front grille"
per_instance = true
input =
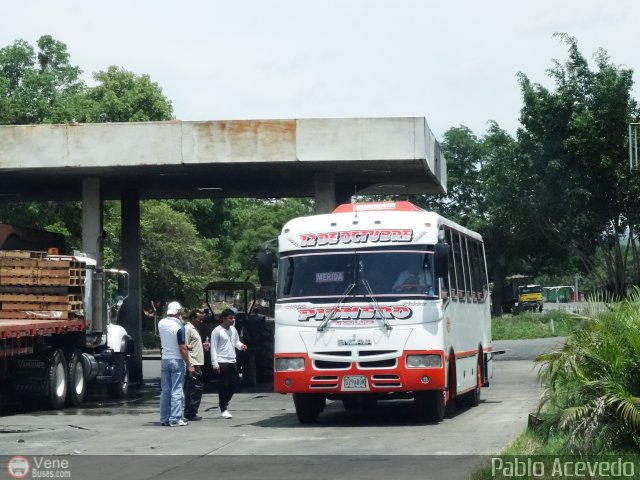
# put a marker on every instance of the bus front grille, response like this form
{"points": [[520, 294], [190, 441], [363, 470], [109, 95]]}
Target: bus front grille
{"points": [[328, 365]]}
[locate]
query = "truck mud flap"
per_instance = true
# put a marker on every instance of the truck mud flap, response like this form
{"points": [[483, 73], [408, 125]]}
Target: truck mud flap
{"points": [[29, 376]]}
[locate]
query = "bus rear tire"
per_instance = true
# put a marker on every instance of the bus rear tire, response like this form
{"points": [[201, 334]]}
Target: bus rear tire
{"points": [[429, 405], [308, 406]]}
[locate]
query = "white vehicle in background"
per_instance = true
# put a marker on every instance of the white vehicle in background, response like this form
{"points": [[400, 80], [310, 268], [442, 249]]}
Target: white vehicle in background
{"points": [[58, 329], [381, 301]]}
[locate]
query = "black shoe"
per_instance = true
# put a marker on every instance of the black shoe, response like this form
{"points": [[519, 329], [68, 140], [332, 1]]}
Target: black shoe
{"points": [[194, 418]]}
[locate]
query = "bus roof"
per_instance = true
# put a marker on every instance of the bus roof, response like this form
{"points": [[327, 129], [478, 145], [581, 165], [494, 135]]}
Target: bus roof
{"points": [[402, 206], [367, 224]]}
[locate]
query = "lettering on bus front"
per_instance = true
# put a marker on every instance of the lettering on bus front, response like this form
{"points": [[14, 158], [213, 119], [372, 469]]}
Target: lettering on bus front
{"points": [[404, 235], [346, 313]]}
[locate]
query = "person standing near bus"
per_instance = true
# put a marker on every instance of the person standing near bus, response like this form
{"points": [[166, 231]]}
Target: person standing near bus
{"points": [[174, 357], [193, 384], [224, 342]]}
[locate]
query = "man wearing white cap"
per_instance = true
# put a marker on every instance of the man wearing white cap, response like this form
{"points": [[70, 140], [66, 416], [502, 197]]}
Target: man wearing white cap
{"points": [[172, 366]]}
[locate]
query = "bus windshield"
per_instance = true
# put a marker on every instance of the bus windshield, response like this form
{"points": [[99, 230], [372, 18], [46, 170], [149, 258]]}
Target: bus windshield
{"points": [[383, 273]]}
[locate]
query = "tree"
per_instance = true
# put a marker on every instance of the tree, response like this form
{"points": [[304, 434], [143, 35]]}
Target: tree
{"points": [[40, 87], [252, 222], [125, 97], [464, 201], [176, 263], [572, 150]]}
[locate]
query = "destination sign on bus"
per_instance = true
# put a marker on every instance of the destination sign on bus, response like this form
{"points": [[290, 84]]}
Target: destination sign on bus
{"points": [[328, 277], [400, 235], [348, 313]]}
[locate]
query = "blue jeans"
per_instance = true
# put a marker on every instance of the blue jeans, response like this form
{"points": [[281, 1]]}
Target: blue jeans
{"points": [[171, 396]]}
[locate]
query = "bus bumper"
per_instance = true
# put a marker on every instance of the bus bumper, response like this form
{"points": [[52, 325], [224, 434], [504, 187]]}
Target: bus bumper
{"points": [[358, 380]]}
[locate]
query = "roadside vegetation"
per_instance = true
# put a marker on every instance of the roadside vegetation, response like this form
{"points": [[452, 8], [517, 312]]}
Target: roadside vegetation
{"points": [[552, 323], [591, 402]]}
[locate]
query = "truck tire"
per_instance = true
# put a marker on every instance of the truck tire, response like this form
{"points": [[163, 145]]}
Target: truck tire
{"points": [[77, 385], [120, 387], [57, 380]]}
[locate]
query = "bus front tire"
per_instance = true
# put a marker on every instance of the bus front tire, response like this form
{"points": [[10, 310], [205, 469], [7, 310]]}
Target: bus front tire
{"points": [[429, 405], [308, 406]]}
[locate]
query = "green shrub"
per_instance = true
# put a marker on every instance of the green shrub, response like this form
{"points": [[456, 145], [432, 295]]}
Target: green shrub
{"points": [[592, 383]]}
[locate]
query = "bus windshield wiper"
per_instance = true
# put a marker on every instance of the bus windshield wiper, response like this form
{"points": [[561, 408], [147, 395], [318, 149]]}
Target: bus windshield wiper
{"points": [[376, 307], [328, 318]]}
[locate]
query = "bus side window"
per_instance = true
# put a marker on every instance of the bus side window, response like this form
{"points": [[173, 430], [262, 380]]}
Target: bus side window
{"points": [[476, 268], [483, 272], [468, 277], [459, 261], [452, 267], [444, 283]]}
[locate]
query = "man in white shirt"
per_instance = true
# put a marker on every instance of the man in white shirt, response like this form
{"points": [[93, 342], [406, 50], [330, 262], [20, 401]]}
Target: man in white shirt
{"points": [[224, 342], [172, 366]]}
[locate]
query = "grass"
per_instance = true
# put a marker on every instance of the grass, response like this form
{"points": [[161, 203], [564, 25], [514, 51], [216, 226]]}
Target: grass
{"points": [[535, 325]]}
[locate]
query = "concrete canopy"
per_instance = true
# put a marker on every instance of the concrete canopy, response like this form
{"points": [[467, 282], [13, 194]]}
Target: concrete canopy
{"points": [[329, 159], [218, 159]]}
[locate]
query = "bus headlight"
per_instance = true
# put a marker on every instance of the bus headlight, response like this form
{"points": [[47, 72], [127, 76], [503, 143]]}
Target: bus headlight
{"points": [[287, 364], [424, 361]]}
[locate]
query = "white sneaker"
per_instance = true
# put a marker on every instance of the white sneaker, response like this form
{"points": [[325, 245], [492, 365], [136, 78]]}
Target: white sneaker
{"points": [[226, 414], [179, 423]]}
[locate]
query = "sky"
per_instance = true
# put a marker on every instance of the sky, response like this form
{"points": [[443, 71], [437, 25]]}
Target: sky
{"points": [[453, 62]]}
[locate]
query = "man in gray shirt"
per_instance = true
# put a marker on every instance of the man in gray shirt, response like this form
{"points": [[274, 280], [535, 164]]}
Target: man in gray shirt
{"points": [[224, 342], [193, 384]]}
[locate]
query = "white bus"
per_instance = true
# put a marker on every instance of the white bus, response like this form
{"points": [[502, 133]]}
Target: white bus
{"points": [[381, 301]]}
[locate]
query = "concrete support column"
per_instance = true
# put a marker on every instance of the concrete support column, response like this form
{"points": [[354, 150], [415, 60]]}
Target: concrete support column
{"points": [[131, 313], [92, 246], [325, 192], [92, 218]]}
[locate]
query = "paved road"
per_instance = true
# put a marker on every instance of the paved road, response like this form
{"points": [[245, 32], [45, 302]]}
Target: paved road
{"points": [[265, 423]]}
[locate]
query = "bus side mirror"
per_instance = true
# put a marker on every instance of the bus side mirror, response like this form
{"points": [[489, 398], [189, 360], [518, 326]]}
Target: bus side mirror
{"points": [[441, 260], [265, 261]]}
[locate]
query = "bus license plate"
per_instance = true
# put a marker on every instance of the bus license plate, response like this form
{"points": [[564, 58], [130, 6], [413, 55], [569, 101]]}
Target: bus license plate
{"points": [[354, 382]]}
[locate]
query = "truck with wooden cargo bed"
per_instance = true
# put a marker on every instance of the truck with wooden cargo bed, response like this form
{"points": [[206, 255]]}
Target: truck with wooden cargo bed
{"points": [[58, 329]]}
